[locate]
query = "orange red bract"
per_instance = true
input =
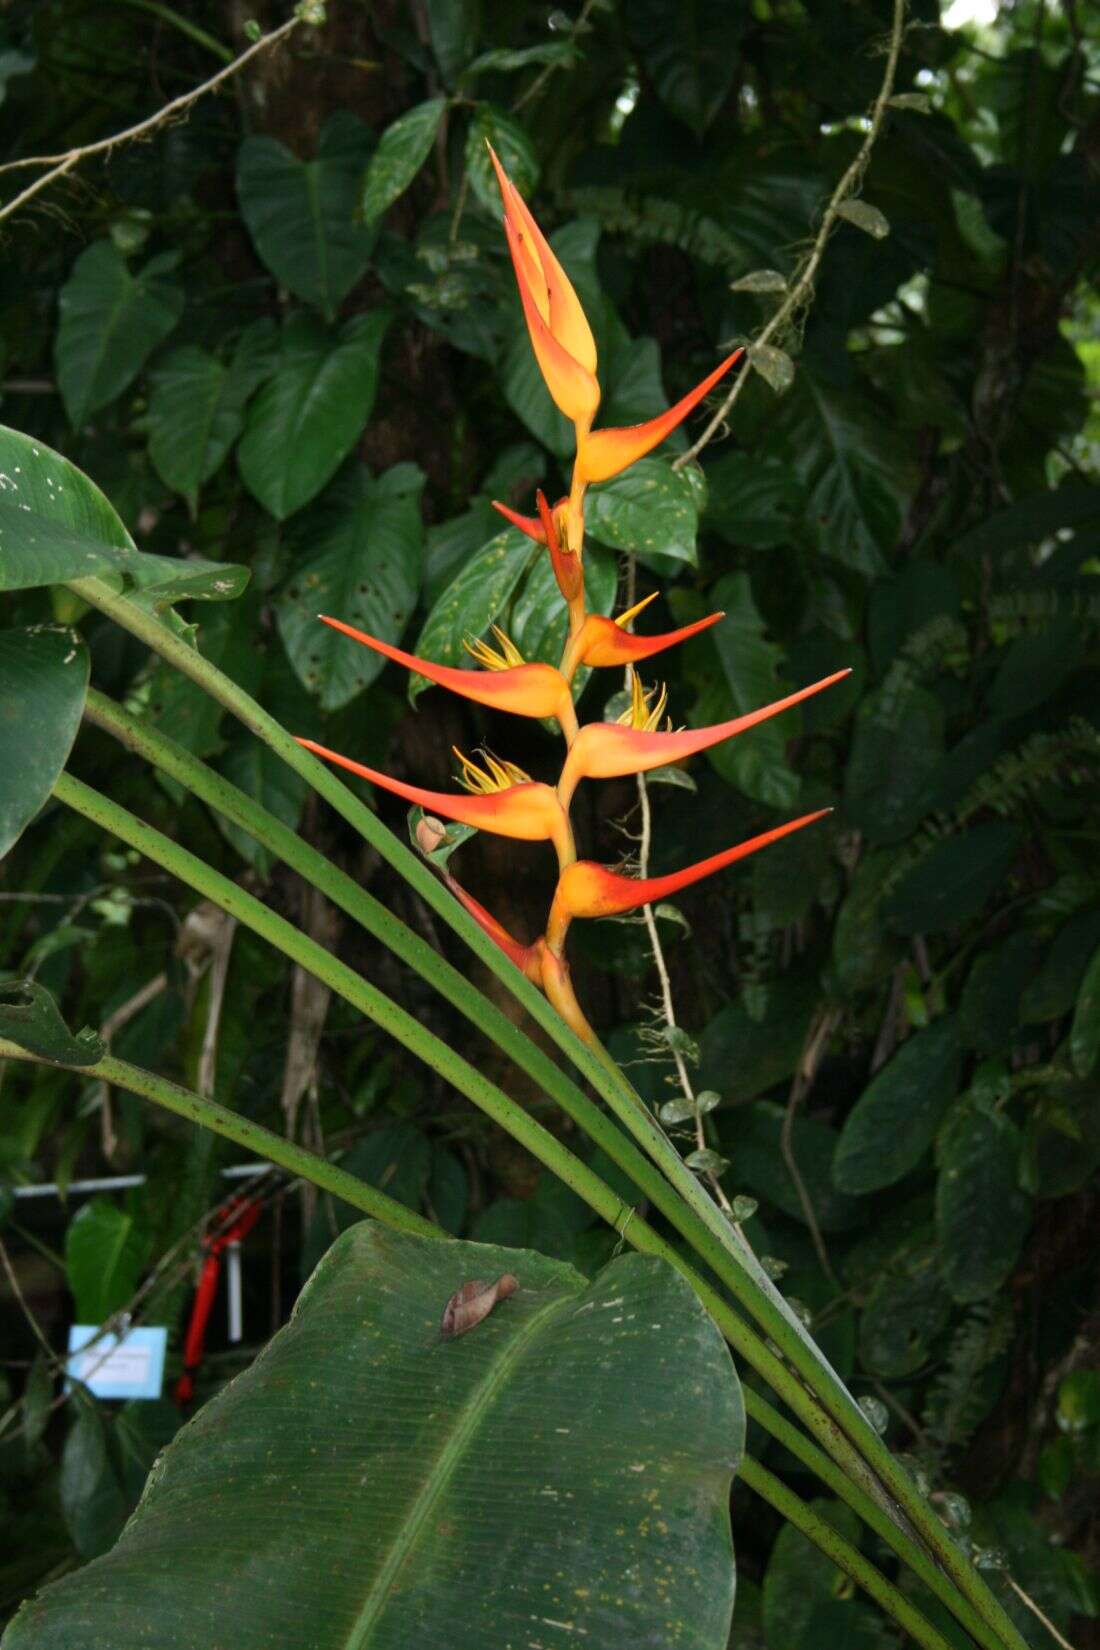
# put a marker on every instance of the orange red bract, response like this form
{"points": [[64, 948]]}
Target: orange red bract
{"points": [[498, 796]]}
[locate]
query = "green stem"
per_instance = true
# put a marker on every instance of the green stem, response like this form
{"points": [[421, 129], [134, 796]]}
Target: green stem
{"points": [[746, 1279], [252, 1136], [844, 1555], [537, 1139]]}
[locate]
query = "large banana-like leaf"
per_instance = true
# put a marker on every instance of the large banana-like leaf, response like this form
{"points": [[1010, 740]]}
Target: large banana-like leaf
{"points": [[557, 1478]]}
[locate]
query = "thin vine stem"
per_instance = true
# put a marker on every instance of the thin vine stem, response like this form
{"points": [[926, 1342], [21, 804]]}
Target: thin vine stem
{"points": [[63, 163], [801, 288]]}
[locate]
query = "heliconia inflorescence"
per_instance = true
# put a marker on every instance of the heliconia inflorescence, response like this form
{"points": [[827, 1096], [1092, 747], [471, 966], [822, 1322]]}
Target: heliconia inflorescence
{"points": [[496, 795]]}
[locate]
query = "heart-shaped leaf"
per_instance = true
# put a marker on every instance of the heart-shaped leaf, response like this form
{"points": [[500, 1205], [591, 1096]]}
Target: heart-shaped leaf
{"points": [[111, 321], [310, 413], [302, 213], [362, 555]]}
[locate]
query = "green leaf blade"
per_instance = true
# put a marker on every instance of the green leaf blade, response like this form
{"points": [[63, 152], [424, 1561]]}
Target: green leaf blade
{"points": [[397, 1450]]}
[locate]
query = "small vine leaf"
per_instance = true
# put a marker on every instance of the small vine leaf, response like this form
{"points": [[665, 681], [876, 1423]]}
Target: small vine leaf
{"points": [[707, 1162], [680, 1043], [671, 776], [918, 103], [774, 366], [865, 217], [678, 1110], [760, 280], [29, 1018], [472, 1303]]}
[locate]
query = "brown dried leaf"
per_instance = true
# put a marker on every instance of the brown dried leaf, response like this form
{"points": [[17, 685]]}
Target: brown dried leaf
{"points": [[473, 1302]]}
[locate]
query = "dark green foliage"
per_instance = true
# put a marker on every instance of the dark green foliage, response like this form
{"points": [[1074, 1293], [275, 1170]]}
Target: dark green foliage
{"points": [[282, 337]]}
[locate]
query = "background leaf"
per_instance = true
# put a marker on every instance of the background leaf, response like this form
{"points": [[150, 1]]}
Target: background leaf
{"points": [[362, 553], [111, 321], [402, 150], [302, 214], [310, 413]]}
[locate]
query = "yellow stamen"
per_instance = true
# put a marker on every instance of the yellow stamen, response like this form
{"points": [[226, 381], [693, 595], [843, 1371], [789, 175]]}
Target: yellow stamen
{"points": [[495, 776], [505, 656], [632, 612], [646, 707]]}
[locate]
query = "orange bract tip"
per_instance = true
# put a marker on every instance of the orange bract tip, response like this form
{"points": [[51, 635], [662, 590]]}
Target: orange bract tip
{"points": [[605, 642], [604, 453], [604, 750], [531, 525], [589, 890], [525, 690], [529, 812]]}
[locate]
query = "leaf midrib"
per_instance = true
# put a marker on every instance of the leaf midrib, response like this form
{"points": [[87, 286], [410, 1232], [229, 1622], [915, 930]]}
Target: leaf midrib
{"points": [[443, 1470]]}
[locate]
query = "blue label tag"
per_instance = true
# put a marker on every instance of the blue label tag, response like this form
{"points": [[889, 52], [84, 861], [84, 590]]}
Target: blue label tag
{"points": [[117, 1366]]}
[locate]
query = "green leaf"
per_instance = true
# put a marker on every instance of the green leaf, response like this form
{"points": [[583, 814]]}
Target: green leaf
{"points": [[1035, 667], [1054, 989], [905, 1312], [775, 366], [741, 1056], [402, 150], [362, 550], [1073, 504], [861, 950], [302, 214], [895, 1119], [989, 1009], [92, 1496], [398, 1450], [865, 217], [453, 26], [196, 413], [897, 747], [505, 60], [952, 883], [800, 1578], [472, 601], [29, 1018], [904, 604], [309, 415], [63, 528], [755, 761], [104, 1255], [255, 769], [514, 149], [751, 1136], [111, 322], [982, 1216], [751, 501], [651, 509], [852, 467], [43, 680], [1084, 1037], [691, 56]]}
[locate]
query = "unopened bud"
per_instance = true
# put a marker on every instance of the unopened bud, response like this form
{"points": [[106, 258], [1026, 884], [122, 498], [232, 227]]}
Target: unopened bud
{"points": [[431, 833]]}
